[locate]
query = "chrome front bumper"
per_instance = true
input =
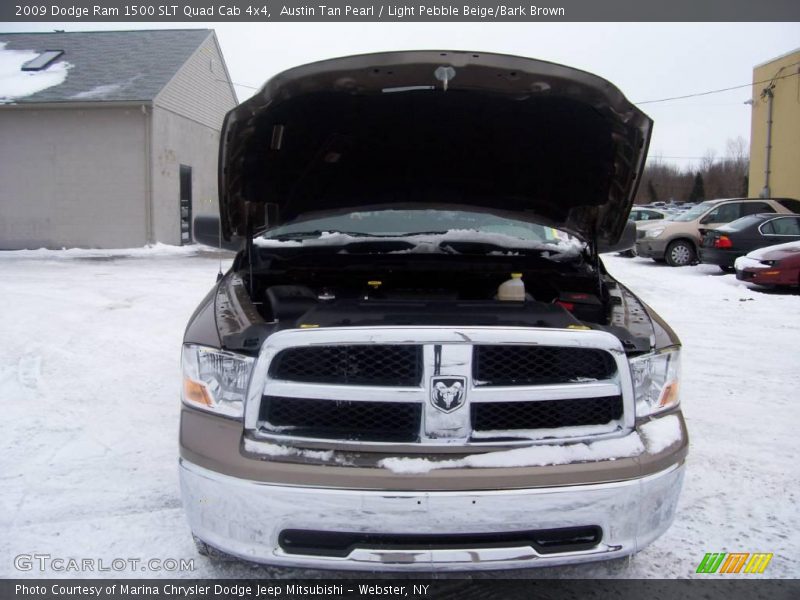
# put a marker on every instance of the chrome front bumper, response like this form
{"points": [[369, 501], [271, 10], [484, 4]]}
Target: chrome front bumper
{"points": [[245, 518]]}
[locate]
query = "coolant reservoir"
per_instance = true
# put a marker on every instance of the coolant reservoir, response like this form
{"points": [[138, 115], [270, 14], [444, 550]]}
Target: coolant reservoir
{"points": [[512, 290]]}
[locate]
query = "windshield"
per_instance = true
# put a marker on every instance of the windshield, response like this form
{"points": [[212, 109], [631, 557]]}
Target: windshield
{"points": [[693, 213], [406, 223]]}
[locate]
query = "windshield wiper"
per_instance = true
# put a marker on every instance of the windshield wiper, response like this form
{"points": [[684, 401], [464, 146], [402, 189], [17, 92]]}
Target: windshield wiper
{"points": [[413, 233], [487, 246]]}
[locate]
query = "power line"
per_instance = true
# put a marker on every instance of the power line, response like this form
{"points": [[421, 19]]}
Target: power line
{"points": [[660, 156], [728, 89], [252, 87], [700, 105]]}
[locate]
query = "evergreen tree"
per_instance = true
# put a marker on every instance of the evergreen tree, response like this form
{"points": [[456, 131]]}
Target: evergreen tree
{"points": [[652, 195], [698, 192]]}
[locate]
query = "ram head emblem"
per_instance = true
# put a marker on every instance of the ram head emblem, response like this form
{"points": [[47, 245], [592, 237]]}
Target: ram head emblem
{"points": [[447, 393]]}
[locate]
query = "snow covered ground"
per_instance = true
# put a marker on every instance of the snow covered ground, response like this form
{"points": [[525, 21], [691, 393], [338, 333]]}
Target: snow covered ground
{"points": [[89, 379]]}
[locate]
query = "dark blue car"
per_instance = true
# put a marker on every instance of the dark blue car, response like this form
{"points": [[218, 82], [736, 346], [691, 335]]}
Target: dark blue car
{"points": [[723, 245]]}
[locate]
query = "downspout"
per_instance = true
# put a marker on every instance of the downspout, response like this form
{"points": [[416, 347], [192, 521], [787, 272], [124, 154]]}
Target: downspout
{"points": [[765, 193], [769, 95], [148, 178]]}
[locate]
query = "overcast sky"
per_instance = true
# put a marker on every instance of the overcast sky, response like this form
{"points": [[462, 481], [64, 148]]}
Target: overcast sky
{"points": [[647, 61]]}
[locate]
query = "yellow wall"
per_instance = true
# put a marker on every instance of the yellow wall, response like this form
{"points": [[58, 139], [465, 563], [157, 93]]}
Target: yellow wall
{"points": [[784, 177]]}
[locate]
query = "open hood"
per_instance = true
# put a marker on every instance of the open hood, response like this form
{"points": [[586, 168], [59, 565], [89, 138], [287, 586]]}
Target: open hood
{"points": [[504, 134]]}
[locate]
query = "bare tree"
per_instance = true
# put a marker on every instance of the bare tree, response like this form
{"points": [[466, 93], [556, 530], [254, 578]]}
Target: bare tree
{"points": [[738, 155], [708, 160], [736, 149], [722, 178]]}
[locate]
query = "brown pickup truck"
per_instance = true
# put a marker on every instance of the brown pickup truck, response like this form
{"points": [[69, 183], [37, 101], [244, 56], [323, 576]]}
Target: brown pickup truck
{"points": [[418, 360]]}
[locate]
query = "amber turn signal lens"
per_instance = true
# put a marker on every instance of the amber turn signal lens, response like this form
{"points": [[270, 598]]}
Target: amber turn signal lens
{"points": [[196, 392], [670, 394]]}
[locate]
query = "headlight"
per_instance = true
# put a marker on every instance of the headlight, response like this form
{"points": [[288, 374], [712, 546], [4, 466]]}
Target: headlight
{"points": [[653, 233], [655, 381], [215, 380]]}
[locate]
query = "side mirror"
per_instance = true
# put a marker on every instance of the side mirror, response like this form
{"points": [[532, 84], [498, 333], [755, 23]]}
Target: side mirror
{"points": [[705, 220], [207, 231], [626, 241]]}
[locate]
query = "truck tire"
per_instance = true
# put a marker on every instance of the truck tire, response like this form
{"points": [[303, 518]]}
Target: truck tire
{"points": [[680, 253]]}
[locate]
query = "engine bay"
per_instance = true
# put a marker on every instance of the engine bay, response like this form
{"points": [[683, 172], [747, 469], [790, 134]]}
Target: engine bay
{"points": [[454, 291]]}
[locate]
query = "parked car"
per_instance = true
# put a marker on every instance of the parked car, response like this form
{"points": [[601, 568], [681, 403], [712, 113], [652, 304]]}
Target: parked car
{"points": [[773, 266], [723, 245], [677, 240], [417, 360], [645, 215]]}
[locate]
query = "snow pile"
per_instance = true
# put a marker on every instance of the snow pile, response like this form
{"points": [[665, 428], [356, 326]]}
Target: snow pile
{"points": [[660, 434], [653, 437], [152, 250], [276, 450], [267, 449], [16, 83], [533, 456], [425, 243], [543, 434]]}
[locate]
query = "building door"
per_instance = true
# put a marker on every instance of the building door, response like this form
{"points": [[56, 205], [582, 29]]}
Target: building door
{"points": [[186, 205]]}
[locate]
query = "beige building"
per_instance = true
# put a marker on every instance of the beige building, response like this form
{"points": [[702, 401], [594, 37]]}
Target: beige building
{"points": [[109, 139], [775, 128]]}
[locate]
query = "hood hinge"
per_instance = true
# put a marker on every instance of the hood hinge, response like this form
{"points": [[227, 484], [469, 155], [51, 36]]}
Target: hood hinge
{"points": [[248, 244], [594, 256]]}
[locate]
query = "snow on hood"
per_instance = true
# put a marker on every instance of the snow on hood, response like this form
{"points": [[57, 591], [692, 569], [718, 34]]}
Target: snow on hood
{"points": [[762, 253], [753, 259], [430, 243], [16, 83]]}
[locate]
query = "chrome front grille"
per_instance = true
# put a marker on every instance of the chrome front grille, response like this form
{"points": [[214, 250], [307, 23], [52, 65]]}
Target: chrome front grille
{"points": [[545, 414], [536, 365], [427, 387], [350, 364], [341, 420]]}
